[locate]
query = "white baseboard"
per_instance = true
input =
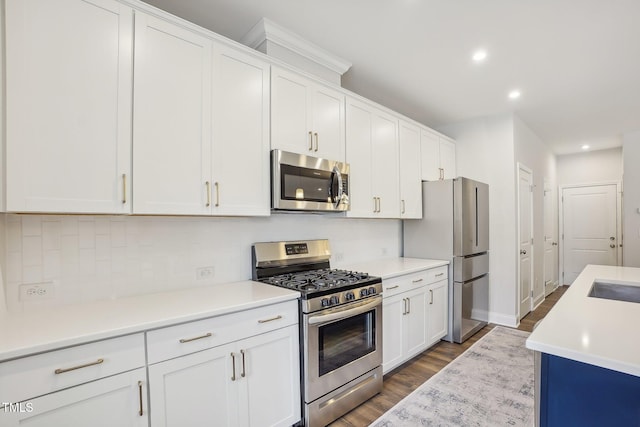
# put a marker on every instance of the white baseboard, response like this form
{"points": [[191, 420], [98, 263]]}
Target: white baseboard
{"points": [[511, 321]]}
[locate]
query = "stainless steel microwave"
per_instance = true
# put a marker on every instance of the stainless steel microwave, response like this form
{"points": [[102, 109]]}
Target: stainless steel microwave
{"points": [[305, 183]]}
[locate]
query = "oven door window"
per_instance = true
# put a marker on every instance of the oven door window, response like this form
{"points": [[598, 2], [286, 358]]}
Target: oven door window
{"points": [[305, 184], [344, 341]]}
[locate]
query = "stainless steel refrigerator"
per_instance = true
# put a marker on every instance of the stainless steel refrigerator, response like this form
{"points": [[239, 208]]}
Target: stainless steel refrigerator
{"points": [[455, 227]]}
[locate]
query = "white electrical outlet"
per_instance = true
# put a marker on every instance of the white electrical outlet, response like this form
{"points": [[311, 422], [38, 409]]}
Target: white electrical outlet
{"points": [[36, 291], [205, 273]]}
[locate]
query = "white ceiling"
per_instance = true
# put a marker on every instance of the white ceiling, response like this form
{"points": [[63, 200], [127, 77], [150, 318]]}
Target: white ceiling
{"points": [[576, 62]]}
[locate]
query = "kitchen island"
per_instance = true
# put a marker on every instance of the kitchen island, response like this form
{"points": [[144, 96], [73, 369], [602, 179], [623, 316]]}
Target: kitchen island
{"points": [[589, 372]]}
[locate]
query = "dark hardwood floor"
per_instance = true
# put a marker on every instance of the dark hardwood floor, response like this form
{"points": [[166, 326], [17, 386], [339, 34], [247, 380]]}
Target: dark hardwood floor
{"points": [[407, 377]]}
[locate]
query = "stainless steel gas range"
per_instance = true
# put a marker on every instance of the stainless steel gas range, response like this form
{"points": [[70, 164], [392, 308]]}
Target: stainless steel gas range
{"points": [[340, 325]]}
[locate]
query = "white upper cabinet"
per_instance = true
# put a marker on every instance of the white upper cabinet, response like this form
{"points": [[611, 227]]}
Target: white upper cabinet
{"points": [[200, 110], [448, 158], [410, 171], [306, 117], [372, 152], [171, 119], [240, 134], [438, 156], [68, 106]]}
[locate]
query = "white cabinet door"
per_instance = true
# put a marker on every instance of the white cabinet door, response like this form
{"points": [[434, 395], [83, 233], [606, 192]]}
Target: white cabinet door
{"points": [[410, 171], [68, 106], [360, 158], [372, 153], [430, 155], [195, 390], [172, 119], [240, 134], [437, 307], [385, 165], [306, 117], [270, 378], [328, 123], [119, 400], [415, 322], [438, 156], [290, 115], [392, 332], [251, 382], [448, 158]]}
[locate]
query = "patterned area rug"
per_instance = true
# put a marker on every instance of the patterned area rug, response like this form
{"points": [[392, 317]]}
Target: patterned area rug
{"points": [[490, 384]]}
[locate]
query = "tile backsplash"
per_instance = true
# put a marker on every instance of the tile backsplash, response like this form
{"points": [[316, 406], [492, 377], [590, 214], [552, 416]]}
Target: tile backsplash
{"points": [[87, 258]]}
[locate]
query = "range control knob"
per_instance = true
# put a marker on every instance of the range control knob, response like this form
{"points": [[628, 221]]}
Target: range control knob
{"points": [[334, 300], [325, 302], [364, 292], [372, 290], [349, 296]]}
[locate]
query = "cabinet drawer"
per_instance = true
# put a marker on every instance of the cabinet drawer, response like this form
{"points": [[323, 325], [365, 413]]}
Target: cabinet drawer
{"points": [[44, 373], [437, 274], [175, 341], [406, 282], [403, 283]]}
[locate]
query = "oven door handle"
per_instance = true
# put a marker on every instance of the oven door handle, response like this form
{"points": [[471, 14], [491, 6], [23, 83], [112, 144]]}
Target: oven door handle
{"points": [[341, 314]]}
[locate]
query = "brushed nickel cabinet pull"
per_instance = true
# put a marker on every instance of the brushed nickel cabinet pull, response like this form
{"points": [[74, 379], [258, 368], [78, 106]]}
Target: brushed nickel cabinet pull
{"points": [[431, 294], [184, 340], [439, 274], [278, 317], [208, 185], [403, 206], [404, 306], [124, 188], [86, 365], [316, 135], [379, 204], [375, 204], [217, 193], [417, 281], [409, 305], [233, 365], [393, 287], [140, 412], [310, 141], [243, 374]]}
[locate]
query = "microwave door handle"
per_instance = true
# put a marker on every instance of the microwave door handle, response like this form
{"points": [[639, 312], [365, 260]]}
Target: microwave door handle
{"points": [[337, 198]]}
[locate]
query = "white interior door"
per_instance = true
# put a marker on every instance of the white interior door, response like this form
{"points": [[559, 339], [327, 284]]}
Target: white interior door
{"points": [[590, 224], [525, 231], [550, 242]]}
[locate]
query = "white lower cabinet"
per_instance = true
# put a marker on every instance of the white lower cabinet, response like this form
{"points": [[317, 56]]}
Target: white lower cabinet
{"points": [[253, 381], [103, 383], [414, 313], [120, 400], [437, 300]]}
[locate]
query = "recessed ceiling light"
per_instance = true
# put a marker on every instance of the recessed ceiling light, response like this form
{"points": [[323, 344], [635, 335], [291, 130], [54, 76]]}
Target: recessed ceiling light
{"points": [[514, 94], [479, 55], [585, 147]]}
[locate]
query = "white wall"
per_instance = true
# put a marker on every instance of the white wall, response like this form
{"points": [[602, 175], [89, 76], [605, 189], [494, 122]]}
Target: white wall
{"points": [[485, 152], [97, 257], [631, 205], [534, 154], [590, 167]]}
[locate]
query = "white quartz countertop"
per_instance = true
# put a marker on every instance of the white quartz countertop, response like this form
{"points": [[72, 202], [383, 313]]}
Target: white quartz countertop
{"points": [[391, 267], [22, 334], [597, 331]]}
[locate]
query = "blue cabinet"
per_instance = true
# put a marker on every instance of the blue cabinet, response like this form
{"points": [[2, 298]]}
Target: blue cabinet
{"points": [[578, 394]]}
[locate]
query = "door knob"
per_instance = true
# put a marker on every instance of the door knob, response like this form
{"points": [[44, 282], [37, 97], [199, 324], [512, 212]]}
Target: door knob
{"points": [[523, 252], [554, 243], [612, 238], [612, 246]]}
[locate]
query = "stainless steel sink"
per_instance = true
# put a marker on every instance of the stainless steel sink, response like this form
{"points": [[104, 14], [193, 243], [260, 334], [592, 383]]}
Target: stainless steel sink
{"points": [[615, 291]]}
